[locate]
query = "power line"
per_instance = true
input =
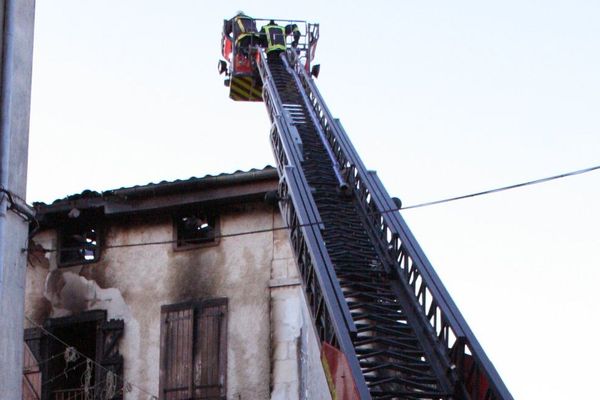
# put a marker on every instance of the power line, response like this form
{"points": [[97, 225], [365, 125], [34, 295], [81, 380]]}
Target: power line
{"points": [[65, 372], [273, 229], [391, 210], [50, 358], [159, 242], [500, 189]]}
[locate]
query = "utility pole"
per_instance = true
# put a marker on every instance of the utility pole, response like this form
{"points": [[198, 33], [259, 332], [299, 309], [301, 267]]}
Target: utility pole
{"points": [[16, 25]]}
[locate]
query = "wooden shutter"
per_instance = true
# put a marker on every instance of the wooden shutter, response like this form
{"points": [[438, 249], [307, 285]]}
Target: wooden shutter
{"points": [[177, 325], [32, 375], [210, 354], [193, 352]]}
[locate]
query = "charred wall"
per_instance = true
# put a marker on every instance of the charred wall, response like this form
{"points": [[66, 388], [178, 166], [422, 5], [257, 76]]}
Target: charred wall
{"points": [[132, 283], [272, 351]]}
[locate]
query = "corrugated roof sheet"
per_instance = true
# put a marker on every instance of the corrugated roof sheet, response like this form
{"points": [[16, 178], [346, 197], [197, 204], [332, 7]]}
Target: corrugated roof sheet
{"points": [[91, 194]]}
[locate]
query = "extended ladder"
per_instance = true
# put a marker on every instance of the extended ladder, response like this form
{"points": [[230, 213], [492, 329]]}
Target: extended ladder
{"points": [[371, 291]]}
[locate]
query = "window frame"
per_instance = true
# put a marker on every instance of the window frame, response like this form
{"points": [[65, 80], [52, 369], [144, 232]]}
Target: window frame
{"points": [[78, 226], [190, 246]]}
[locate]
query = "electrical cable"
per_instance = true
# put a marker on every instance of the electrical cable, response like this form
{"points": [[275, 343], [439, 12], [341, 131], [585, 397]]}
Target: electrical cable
{"points": [[500, 189], [20, 208], [65, 372], [50, 358], [391, 210], [273, 229]]}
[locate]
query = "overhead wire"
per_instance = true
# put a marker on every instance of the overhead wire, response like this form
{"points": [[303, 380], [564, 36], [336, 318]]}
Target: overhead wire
{"points": [[65, 372], [50, 359], [501, 189], [129, 384], [390, 210]]}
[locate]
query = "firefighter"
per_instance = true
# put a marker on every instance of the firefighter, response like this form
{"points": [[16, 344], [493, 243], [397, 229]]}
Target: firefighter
{"points": [[241, 29], [273, 36]]}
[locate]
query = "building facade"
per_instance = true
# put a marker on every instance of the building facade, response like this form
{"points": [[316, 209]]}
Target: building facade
{"points": [[177, 290]]}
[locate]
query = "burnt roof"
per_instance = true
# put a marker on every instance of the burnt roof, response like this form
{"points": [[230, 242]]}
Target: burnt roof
{"points": [[226, 186]]}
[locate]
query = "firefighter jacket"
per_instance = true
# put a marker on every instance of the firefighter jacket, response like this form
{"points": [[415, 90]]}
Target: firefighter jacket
{"points": [[241, 26], [273, 36]]}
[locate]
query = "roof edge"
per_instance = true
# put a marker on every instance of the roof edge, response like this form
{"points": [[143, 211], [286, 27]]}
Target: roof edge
{"points": [[201, 183], [130, 198]]}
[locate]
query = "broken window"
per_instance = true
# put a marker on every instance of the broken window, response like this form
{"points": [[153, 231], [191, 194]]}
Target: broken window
{"points": [[78, 244], [195, 229], [193, 353], [74, 358]]}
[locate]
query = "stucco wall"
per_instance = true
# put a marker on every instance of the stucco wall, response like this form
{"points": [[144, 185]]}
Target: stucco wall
{"points": [[267, 315], [297, 372]]}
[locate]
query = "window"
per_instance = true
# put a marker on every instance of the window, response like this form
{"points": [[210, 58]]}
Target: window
{"points": [[193, 352], [55, 365], [78, 244], [193, 230]]}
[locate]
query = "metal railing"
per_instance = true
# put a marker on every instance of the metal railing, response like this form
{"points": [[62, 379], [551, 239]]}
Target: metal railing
{"points": [[473, 374], [73, 394], [306, 46]]}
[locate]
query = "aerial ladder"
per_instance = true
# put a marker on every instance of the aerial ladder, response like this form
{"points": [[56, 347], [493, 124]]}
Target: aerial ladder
{"points": [[388, 328]]}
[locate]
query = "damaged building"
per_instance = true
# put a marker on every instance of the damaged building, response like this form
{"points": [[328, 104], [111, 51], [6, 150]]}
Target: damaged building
{"points": [[176, 290]]}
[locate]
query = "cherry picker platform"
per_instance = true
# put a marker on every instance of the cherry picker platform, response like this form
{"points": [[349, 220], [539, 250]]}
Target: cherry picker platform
{"points": [[387, 326]]}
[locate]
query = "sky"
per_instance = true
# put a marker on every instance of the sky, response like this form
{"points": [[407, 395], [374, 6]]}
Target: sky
{"points": [[440, 98]]}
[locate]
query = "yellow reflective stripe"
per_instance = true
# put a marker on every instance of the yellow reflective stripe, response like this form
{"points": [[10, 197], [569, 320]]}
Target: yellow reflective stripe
{"points": [[240, 92], [240, 24], [241, 36], [250, 88], [243, 87], [247, 84], [236, 97], [271, 34], [276, 47], [243, 95], [278, 28]]}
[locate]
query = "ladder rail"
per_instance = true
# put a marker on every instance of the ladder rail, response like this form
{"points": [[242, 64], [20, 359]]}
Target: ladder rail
{"points": [[336, 167], [331, 316], [288, 156], [442, 314]]}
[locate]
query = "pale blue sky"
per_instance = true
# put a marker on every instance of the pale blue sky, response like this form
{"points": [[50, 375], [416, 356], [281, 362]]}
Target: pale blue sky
{"points": [[441, 98]]}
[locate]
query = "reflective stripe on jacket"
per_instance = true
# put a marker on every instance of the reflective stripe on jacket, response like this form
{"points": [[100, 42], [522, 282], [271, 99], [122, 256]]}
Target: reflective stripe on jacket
{"points": [[243, 26], [275, 36]]}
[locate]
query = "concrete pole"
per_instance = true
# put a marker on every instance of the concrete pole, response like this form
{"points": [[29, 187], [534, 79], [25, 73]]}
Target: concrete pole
{"points": [[16, 25]]}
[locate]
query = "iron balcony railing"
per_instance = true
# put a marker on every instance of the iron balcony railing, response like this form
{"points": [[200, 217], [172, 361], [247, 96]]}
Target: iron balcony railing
{"points": [[73, 394]]}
